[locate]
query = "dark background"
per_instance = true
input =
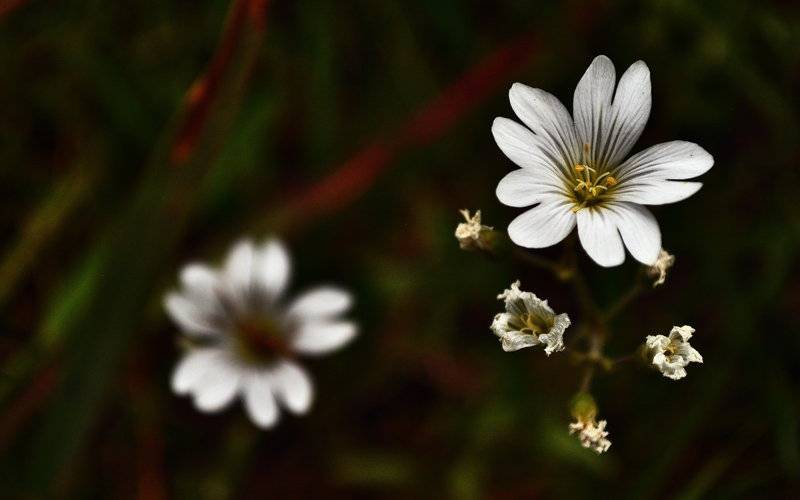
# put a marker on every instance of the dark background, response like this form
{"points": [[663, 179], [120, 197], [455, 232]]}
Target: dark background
{"points": [[138, 135]]}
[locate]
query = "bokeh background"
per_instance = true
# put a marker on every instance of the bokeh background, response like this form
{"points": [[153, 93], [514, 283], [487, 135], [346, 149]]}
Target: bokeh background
{"points": [[138, 135]]}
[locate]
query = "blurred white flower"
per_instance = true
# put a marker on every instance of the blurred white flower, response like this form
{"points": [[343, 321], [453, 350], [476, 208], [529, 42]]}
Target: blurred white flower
{"points": [[670, 355], [592, 434], [472, 235], [245, 339], [528, 321], [573, 169], [659, 269]]}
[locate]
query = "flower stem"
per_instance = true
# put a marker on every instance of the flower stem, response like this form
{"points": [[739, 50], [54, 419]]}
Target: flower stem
{"points": [[537, 261], [586, 379], [626, 299], [624, 359], [585, 298]]}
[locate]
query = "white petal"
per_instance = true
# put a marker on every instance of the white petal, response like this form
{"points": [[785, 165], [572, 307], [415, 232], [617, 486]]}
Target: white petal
{"points": [[192, 318], [548, 118], [323, 302], [203, 285], [693, 355], [293, 386], [670, 160], [516, 340], [273, 267], [219, 384], [599, 236], [639, 231], [528, 150], [199, 280], [239, 273], [320, 337], [631, 109], [655, 192], [543, 225], [191, 368], [591, 102], [659, 359], [259, 400], [522, 188]]}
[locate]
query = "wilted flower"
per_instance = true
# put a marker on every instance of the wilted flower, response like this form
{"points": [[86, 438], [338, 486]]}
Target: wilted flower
{"points": [[670, 355], [245, 339], [573, 170], [659, 269], [472, 235], [528, 321], [592, 434]]}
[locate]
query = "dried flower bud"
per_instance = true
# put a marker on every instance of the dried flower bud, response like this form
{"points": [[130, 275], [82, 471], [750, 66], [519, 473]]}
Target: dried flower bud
{"points": [[659, 270], [472, 235]]}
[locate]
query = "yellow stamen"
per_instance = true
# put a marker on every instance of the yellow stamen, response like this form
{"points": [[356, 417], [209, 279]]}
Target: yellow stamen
{"points": [[589, 184]]}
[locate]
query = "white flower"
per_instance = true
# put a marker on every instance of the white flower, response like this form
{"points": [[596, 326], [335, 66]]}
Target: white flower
{"points": [[472, 234], [670, 355], [528, 321], [573, 170], [593, 434], [246, 338], [659, 269]]}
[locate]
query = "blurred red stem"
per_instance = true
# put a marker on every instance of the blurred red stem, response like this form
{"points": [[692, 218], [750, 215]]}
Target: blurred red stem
{"points": [[9, 6], [201, 95], [32, 398], [149, 436], [354, 177]]}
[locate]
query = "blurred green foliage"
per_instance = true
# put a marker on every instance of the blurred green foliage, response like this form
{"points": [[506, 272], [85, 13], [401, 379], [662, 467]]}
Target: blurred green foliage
{"points": [[97, 217]]}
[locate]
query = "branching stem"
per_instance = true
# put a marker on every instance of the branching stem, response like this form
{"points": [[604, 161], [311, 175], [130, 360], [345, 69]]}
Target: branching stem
{"points": [[567, 270]]}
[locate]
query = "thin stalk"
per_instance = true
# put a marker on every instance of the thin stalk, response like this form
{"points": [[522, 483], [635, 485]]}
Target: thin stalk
{"points": [[624, 359], [585, 298], [537, 261], [632, 294], [586, 379]]}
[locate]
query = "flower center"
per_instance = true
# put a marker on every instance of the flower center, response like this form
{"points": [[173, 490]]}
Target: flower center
{"points": [[589, 186], [671, 352], [260, 339], [534, 324]]}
